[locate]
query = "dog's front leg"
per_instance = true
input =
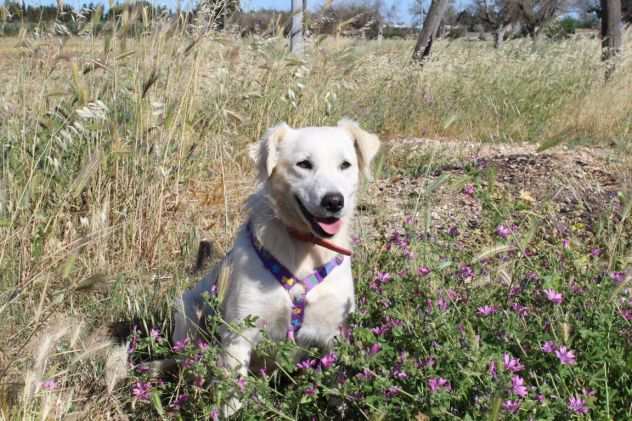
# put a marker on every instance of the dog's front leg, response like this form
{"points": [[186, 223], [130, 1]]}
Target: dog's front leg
{"points": [[236, 358]]}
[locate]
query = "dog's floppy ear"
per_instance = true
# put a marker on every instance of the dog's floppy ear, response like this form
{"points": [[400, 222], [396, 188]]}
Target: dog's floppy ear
{"points": [[265, 152], [366, 144]]}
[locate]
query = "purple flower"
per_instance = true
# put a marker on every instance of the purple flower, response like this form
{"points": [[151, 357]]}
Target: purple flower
{"points": [[453, 231], [540, 398], [131, 348], [202, 345], [214, 414], [180, 345], [518, 387], [565, 355], [191, 361], [375, 348], [469, 190], [155, 334], [423, 271], [383, 277], [391, 391], [617, 277], [521, 310], [554, 296], [425, 363], [179, 402], [453, 295], [503, 231], [311, 390], [627, 314], [442, 304], [380, 330], [439, 383], [492, 369], [511, 406], [241, 384], [307, 364], [466, 272], [366, 374], [596, 252], [400, 241], [577, 405], [400, 374], [49, 385], [328, 360], [141, 390], [548, 347], [566, 243], [512, 364], [486, 310]]}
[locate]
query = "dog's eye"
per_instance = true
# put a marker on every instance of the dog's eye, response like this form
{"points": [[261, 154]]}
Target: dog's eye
{"points": [[345, 165], [305, 164]]}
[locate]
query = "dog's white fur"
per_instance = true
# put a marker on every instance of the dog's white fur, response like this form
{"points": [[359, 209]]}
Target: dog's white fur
{"points": [[250, 289]]}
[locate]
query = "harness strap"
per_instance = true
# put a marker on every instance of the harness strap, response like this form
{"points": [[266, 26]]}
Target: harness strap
{"points": [[288, 280]]}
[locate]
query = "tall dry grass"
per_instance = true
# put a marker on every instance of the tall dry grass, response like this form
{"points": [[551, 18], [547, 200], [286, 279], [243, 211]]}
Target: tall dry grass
{"points": [[118, 155]]}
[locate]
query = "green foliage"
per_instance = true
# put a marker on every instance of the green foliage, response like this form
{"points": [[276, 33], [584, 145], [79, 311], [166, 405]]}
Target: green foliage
{"points": [[562, 28], [441, 334]]}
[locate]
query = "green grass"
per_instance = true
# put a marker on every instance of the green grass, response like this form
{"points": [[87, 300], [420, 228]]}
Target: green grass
{"points": [[119, 154]]}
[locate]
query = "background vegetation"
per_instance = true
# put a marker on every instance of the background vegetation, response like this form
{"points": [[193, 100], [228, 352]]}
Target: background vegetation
{"points": [[120, 152]]}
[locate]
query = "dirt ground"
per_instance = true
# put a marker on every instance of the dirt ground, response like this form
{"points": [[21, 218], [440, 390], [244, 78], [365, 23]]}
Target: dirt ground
{"points": [[565, 186]]}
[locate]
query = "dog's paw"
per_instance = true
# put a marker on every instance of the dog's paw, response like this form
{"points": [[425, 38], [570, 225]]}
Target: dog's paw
{"points": [[231, 407]]}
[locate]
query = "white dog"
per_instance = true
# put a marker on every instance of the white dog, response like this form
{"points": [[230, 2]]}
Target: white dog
{"points": [[290, 265]]}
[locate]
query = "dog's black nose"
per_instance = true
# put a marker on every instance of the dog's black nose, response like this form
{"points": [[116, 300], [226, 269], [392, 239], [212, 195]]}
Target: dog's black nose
{"points": [[333, 202]]}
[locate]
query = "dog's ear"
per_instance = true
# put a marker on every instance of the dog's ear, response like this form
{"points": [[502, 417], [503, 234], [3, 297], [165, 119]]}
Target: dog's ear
{"points": [[265, 152], [366, 144]]}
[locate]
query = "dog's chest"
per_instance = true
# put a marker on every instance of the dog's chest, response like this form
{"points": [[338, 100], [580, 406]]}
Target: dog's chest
{"points": [[326, 307]]}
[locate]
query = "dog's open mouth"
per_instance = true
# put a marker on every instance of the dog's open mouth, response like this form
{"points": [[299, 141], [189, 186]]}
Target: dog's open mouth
{"points": [[323, 227]]}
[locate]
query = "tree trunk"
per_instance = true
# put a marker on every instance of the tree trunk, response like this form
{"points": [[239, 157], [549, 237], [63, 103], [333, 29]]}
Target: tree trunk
{"points": [[297, 42], [611, 33], [431, 24], [499, 36]]}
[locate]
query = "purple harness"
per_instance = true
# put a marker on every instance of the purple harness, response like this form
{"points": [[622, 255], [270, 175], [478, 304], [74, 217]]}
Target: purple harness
{"points": [[288, 280]]}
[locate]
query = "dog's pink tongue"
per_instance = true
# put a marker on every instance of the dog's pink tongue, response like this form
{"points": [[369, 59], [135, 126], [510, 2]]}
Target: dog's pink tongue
{"points": [[330, 228]]}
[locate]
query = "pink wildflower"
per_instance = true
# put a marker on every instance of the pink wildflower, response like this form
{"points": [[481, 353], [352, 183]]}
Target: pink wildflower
{"points": [[486, 310], [511, 406], [518, 387], [512, 364], [565, 355], [577, 405], [439, 383], [548, 347], [554, 296]]}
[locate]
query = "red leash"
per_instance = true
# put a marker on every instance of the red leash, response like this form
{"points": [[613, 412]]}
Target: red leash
{"points": [[311, 238]]}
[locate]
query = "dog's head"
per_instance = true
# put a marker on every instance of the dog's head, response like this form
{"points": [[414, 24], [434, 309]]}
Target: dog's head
{"points": [[312, 174]]}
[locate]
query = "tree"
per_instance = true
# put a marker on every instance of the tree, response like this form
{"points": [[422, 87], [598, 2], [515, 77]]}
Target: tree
{"points": [[417, 11], [356, 17], [429, 30], [499, 15], [297, 42], [215, 14], [535, 14], [611, 33]]}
